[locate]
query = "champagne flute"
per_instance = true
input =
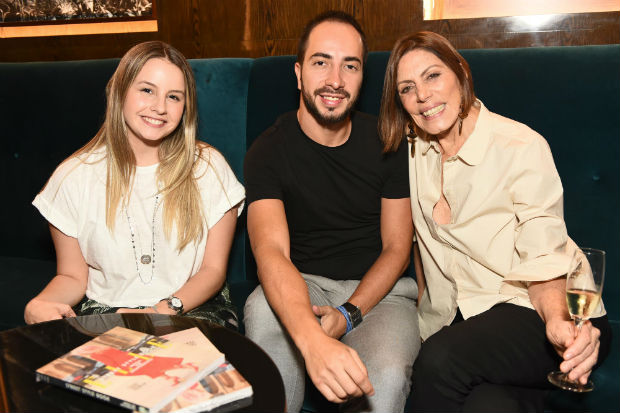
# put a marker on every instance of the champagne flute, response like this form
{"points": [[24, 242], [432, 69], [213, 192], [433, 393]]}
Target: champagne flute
{"points": [[584, 285]]}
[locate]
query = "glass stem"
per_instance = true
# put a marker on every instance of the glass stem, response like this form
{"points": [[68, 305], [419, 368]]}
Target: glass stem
{"points": [[579, 322]]}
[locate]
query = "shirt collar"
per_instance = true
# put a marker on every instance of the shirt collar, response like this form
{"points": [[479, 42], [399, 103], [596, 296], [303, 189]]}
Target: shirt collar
{"points": [[475, 147], [425, 145]]}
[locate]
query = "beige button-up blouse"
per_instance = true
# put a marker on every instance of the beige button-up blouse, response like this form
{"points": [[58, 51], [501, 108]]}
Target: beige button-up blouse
{"points": [[506, 228]]}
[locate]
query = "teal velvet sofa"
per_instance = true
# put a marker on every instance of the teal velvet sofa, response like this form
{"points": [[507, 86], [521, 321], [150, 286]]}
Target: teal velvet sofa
{"points": [[571, 95]]}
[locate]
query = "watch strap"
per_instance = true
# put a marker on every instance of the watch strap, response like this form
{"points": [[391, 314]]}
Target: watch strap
{"points": [[171, 304]]}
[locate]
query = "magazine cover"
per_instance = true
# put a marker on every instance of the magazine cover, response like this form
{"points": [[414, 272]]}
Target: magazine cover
{"points": [[222, 386], [131, 369]]}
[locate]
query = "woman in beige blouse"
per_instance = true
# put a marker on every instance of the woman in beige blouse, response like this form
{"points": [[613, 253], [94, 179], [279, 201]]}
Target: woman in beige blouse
{"points": [[491, 249]]}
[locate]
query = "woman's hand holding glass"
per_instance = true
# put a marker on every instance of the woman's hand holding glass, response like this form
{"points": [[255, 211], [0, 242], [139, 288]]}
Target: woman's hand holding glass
{"points": [[584, 284]]}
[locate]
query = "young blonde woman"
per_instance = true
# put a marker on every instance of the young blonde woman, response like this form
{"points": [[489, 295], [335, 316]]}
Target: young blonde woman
{"points": [[143, 216]]}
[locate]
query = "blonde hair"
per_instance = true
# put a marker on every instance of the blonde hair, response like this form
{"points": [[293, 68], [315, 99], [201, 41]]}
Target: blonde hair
{"points": [[179, 152]]}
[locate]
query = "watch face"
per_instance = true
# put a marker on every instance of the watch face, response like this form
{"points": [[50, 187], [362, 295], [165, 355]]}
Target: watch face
{"points": [[355, 314], [176, 302]]}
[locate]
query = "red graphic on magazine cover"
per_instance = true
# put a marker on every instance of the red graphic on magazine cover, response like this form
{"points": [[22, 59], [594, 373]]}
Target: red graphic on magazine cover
{"points": [[131, 364], [132, 367]]}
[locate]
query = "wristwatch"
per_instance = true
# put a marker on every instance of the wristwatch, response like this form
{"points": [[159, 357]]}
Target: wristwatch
{"points": [[175, 304], [355, 314]]}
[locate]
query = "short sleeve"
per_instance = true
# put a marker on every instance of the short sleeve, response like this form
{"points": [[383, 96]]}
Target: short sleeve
{"points": [[260, 171], [396, 184], [219, 188], [59, 200], [540, 235]]}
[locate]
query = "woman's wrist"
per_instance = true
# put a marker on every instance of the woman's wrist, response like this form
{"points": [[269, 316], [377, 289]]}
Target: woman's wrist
{"points": [[162, 308]]}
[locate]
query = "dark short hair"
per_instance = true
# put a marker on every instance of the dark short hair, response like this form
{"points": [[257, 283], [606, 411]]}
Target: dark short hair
{"points": [[329, 16], [394, 121]]}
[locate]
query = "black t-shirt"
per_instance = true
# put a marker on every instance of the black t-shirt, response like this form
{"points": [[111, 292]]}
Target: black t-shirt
{"points": [[331, 195]]}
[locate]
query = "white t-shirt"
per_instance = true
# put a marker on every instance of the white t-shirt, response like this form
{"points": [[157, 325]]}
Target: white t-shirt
{"points": [[74, 202]]}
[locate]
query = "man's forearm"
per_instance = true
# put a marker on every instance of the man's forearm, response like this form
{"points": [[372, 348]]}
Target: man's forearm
{"points": [[396, 237], [287, 294], [284, 287], [380, 278]]}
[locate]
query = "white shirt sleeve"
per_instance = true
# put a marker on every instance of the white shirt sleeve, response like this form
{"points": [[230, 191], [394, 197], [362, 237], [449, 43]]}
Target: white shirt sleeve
{"points": [[59, 200], [219, 187], [540, 235]]}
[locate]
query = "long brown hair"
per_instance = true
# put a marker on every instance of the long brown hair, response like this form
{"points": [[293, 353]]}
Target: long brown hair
{"points": [[179, 152], [394, 121]]}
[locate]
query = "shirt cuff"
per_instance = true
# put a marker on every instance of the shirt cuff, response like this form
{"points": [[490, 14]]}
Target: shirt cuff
{"points": [[544, 268]]}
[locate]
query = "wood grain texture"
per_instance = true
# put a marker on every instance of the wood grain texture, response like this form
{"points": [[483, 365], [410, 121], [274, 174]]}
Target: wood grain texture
{"points": [[255, 28], [79, 28], [459, 9]]}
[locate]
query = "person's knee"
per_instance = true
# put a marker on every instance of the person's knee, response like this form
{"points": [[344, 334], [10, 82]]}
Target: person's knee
{"points": [[392, 383], [436, 359], [392, 377]]}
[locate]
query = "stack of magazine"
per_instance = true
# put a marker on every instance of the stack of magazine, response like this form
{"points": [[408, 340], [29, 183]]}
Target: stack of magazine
{"points": [[182, 372]]}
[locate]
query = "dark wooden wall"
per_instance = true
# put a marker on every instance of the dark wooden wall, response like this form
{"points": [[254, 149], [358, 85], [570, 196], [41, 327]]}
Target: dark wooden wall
{"points": [[254, 28]]}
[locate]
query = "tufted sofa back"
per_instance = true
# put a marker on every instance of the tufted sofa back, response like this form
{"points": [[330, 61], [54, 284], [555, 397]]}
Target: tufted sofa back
{"points": [[571, 95]]}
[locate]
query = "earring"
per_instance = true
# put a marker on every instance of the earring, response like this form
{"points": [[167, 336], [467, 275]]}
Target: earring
{"points": [[461, 116], [411, 133]]}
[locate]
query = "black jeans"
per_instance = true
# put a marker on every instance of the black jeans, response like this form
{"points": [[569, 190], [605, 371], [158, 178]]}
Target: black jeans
{"points": [[495, 361]]}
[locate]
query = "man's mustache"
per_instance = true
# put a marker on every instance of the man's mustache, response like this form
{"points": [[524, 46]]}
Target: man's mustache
{"points": [[327, 89]]}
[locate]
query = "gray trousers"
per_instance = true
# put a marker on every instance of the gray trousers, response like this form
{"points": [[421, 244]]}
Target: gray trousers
{"points": [[387, 341]]}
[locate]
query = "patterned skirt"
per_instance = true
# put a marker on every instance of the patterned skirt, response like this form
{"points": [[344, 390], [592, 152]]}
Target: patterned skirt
{"points": [[219, 309]]}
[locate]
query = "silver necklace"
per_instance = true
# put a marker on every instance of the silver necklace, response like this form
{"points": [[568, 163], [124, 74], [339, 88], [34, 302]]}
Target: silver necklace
{"points": [[144, 258]]}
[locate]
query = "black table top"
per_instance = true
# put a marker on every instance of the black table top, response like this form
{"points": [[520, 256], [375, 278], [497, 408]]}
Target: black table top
{"points": [[25, 349]]}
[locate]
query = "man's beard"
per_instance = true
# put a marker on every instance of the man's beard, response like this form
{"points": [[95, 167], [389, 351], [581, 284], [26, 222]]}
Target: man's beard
{"points": [[329, 118]]}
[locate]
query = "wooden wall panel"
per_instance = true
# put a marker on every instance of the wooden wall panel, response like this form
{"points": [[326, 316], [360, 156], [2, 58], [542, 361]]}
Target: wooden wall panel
{"points": [[273, 26], [255, 28], [212, 28], [551, 30]]}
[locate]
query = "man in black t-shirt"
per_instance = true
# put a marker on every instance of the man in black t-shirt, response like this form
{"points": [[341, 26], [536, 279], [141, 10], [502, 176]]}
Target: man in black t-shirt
{"points": [[330, 225]]}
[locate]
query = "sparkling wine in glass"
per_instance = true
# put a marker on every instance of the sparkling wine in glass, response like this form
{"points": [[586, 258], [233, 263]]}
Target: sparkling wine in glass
{"points": [[584, 285]]}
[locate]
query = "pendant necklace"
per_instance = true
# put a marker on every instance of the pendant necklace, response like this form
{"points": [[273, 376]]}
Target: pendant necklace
{"points": [[144, 258]]}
